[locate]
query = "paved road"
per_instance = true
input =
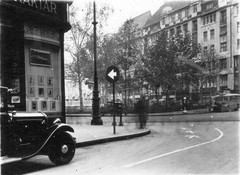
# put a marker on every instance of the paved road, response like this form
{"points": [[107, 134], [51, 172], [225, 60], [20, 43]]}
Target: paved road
{"points": [[171, 148]]}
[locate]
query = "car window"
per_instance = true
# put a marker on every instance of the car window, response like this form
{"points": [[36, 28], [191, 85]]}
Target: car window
{"points": [[225, 98], [218, 99]]}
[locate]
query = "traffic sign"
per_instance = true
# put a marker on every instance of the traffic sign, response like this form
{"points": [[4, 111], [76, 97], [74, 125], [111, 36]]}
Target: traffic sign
{"points": [[112, 74]]}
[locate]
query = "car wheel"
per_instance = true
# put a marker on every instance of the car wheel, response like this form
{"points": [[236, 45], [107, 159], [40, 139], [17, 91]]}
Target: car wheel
{"points": [[63, 150]]}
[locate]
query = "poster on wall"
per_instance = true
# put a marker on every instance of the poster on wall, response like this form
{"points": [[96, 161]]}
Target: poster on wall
{"points": [[41, 80], [40, 58], [31, 92], [50, 92], [41, 92], [44, 105], [34, 105], [53, 105], [30, 80]]}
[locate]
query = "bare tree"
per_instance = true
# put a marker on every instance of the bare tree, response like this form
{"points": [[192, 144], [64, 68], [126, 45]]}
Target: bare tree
{"points": [[79, 43]]}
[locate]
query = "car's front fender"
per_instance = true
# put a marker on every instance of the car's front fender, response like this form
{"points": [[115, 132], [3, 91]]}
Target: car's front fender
{"points": [[53, 131]]}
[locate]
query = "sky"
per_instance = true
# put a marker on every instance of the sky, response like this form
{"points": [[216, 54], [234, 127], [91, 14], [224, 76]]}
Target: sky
{"points": [[123, 10]]}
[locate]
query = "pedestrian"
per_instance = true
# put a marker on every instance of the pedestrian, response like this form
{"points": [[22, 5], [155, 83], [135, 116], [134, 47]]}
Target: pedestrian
{"points": [[142, 112]]}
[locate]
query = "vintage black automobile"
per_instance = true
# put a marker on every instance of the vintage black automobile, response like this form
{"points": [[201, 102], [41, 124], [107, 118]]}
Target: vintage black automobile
{"points": [[24, 135]]}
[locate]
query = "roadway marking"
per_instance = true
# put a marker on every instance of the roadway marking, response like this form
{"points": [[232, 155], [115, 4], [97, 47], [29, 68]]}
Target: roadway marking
{"points": [[176, 151]]}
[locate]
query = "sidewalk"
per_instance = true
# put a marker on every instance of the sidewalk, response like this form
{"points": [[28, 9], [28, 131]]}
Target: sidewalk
{"points": [[87, 135]]}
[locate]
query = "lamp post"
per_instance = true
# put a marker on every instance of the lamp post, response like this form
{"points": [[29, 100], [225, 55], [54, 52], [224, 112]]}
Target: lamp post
{"points": [[96, 119]]}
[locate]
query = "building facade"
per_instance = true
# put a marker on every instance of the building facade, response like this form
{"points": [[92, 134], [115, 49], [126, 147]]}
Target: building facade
{"points": [[214, 24], [32, 53]]}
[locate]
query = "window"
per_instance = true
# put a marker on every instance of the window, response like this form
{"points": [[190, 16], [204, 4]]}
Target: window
{"points": [[236, 62], [194, 8], [204, 21], [223, 38], [238, 44], [212, 34], [209, 19], [205, 36], [238, 27], [212, 48], [205, 50], [223, 30], [178, 29], [224, 80], [186, 12], [194, 37], [223, 17], [163, 21], [223, 47], [194, 26], [209, 6], [180, 15], [173, 18], [185, 27], [172, 32]]}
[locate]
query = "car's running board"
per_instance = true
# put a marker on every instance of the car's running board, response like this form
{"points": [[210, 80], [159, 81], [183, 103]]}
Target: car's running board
{"points": [[6, 159]]}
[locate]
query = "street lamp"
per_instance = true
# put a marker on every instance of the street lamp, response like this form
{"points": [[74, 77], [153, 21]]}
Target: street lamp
{"points": [[96, 119]]}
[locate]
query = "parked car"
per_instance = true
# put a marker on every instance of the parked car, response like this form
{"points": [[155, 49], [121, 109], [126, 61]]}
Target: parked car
{"points": [[226, 102], [24, 135]]}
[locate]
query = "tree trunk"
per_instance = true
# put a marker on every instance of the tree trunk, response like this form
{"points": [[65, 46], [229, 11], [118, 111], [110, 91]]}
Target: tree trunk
{"points": [[167, 99], [80, 95], [156, 94]]}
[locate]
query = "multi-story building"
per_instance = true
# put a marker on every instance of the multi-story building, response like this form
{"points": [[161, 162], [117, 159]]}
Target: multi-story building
{"points": [[214, 24]]}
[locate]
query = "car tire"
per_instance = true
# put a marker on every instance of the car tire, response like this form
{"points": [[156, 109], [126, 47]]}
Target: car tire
{"points": [[63, 149]]}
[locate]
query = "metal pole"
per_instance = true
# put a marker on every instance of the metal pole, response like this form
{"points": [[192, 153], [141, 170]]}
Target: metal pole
{"points": [[114, 111], [96, 119]]}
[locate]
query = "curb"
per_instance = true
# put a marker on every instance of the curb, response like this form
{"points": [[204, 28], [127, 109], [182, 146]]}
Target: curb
{"points": [[112, 139]]}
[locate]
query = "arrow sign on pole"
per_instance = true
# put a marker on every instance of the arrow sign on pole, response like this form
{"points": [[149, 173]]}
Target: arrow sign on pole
{"points": [[112, 74]]}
